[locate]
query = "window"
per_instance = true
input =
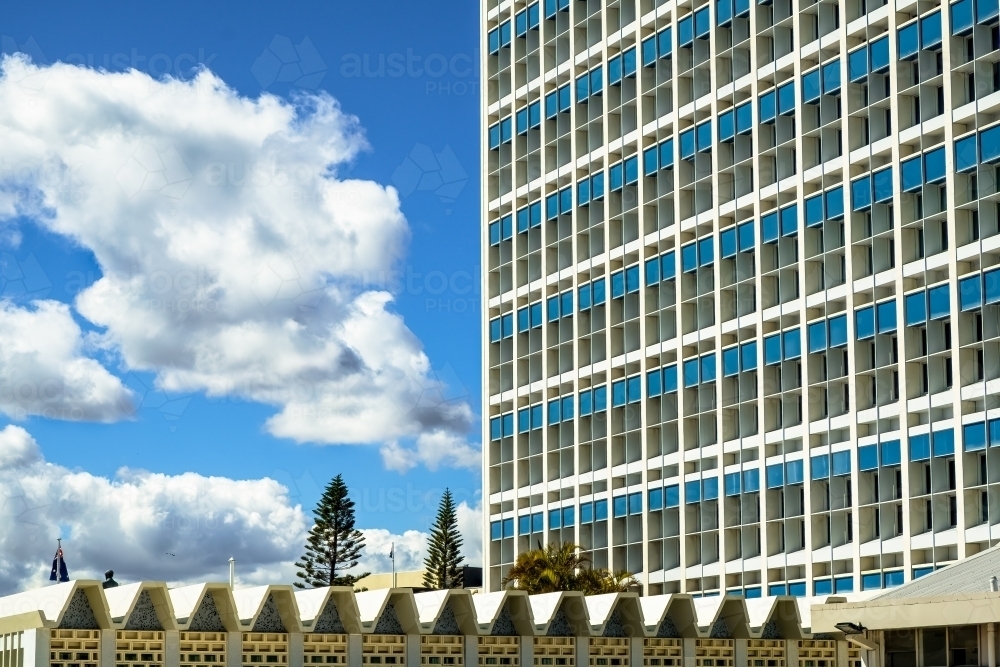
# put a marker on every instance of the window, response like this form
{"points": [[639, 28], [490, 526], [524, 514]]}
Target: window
{"points": [[553, 6], [793, 472], [890, 453], [878, 52], [529, 317], [786, 99], [621, 67], [502, 426], [831, 78], [751, 480], [593, 400], [974, 436], [819, 466], [962, 21], [525, 20], [864, 323], [908, 41], [868, 458], [661, 381], [769, 228], [558, 101], [965, 152], [989, 145], [775, 475], [501, 327], [559, 203], [766, 107], [789, 220], [812, 87], [970, 293], [886, 316], [499, 38], [529, 217], [589, 85], [930, 31], [685, 32], [529, 419], [658, 46]]}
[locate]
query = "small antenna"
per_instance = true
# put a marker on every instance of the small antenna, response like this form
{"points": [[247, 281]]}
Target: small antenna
{"points": [[232, 573]]}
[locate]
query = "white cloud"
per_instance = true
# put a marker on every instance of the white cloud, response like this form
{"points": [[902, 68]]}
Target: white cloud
{"points": [[43, 369], [432, 450], [130, 523], [234, 258]]}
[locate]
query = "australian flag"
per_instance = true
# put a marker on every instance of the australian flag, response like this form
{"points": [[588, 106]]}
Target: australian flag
{"points": [[59, 572]]}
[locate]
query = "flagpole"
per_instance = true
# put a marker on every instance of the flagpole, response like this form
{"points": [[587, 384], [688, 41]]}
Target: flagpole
{"points": [[392, 557]]}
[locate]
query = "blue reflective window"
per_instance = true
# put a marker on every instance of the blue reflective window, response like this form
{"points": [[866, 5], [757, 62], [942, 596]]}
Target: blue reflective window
{"points": [[989, 145], [769, 228], [723, 12], [496, 429], [555, 517], [708, 368], [934, 167], [692, 492], [922, 571], [689, 257], [965, 152], [731, 484], [655, 499], [744, 118], [617, 285], [524, 525], [727, 126], [843, 585], [970, 293], [728, 246], [702, 23], [777, 589], [872, 581], [890, 453], [786, 99], [632, 279], [751, 481], [915, 306], [654, 383], [991, 286], [668, 265], [667, 154], [793, 472], [886, 316], [635, 503], [746, 235], [671, 496], [789, 220], [685, 32], [649, 161], [857, 65], [861, 193], [586, 403], [632, 170], [670, 379], [618, 394], [930, 31], [772, 350], [691, 373], [822, 587], [974, 436], [766, 107], [652, 271], [920, 447], [939, 302], [633, 389], [814, 211], [943, 442], [706, 252], [864, 323], [797, 589], [649, 52], [962, 20], [748, 356], [819, 466], [840, 462], [536, 417], [775, 475], [665, 43], [908, 42], [568, 517], [831, 78], [987, 11], [882, 185], [731, 362], [868, 457], [620, 506], [597, 186], [816, 333], [811, 86], [554, 412], [496, 530], [600, 510], [687, 144], [791, 344], [911, 177], [879, 52], [834, 200], [704, 136], [710, 488]]}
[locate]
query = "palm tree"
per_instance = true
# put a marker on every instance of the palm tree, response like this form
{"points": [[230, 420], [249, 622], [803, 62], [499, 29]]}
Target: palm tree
{"points": [[563, 567]]}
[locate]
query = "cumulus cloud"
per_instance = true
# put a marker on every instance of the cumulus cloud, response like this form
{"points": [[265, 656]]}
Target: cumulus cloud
{"points": [[133, 521], [44, 371], [431, 450], [130, 523], [234, 258]]}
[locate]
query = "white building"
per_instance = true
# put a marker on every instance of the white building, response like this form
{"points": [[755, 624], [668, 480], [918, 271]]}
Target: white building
{"points": [[741, 321]]}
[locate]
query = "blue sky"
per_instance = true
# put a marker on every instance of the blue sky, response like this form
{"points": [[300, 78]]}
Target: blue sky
{"points": [[409, 72]]}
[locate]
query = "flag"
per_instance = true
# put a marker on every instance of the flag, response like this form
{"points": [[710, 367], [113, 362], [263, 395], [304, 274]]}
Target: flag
{"points": [[392, 551], [59, 567]]}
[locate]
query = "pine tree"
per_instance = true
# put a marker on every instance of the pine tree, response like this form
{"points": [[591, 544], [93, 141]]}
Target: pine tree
{"points": [[444, 562], [333, 546]]}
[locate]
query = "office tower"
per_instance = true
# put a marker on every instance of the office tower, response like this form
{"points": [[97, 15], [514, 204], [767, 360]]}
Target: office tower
{"points": [[741, 285]]}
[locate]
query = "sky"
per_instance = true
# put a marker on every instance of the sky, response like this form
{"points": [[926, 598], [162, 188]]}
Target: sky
{"points": [[238, 256]]}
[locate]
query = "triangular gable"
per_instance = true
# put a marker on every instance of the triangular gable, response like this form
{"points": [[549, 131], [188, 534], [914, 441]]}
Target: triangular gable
{"points": [[207, 617], [388, 622], [667, 629], [144, 616], [560, 626], [447, 623], [504, 625], [328, 622], [269, 620], [79, 615], [615, 627]]}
